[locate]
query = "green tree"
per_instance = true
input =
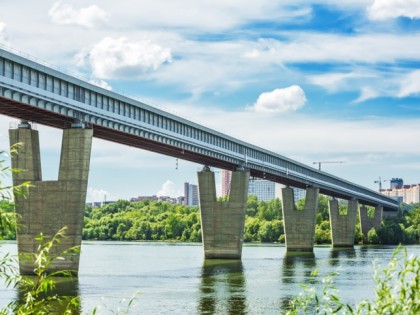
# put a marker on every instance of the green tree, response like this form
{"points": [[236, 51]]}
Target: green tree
{"points": [[372, 237], [252, 206]]}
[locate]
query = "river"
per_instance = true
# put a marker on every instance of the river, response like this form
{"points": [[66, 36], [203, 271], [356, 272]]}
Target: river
{"points": [[173, 278]]}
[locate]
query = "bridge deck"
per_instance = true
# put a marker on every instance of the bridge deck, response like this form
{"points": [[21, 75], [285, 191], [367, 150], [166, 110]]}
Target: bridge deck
{"points": [[35, 92]]}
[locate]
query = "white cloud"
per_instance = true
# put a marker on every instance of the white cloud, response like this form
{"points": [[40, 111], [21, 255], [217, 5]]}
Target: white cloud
{"points": [[168, 189], [192, 16], [334, 82], [310, 135], [121, 58], [389, 9], [366, 93], [287, 99], [246, 63], [88, 17], [410, 84], [3, 36], [99, 195], [318, 47]]}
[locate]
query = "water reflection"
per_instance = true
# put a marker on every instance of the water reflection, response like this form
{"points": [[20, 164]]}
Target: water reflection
{"points": [[223, 287], [340, 256], [66, 289], [295, 263], [297, 269]]}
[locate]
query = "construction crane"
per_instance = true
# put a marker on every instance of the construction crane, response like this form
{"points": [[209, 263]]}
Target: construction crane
{"points": [[323, 162], [380, 181]]}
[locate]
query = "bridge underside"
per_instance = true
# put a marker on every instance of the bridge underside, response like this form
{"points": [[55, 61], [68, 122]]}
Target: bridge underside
{"points": [[35, 114]]}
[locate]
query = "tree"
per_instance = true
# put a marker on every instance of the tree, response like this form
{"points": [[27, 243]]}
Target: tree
{"points": [[372, 237], [7, 215], [252, 206]]}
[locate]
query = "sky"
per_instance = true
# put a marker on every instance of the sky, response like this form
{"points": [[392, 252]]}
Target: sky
{"points": [[310, 80]]}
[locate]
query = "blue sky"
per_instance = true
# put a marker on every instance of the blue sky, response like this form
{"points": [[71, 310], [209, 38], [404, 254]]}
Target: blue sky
{"points": [[312, 80]]}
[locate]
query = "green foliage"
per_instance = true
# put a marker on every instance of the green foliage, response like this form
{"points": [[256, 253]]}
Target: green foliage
{"points": [[323, 209], [397, 292], [151, 220], [7, 220], [323, 232], [326, 302], [37, 292], [7, 216], [252, 206], [6, 192], [401, 229], [144, 220], [372, 237]]}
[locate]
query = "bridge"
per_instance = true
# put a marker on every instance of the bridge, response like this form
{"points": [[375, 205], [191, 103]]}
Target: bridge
{"points": [[34, 92]]}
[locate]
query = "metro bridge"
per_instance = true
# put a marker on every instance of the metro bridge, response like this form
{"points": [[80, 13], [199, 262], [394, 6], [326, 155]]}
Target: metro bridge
{"points": [[34, 92]]}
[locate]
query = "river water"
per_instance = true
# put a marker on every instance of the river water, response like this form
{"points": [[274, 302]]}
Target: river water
{"points": [[173, 278]]}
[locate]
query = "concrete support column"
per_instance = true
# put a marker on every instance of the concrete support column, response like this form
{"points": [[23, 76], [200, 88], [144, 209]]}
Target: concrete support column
{"points": [[299, 225], [343, 226], [366, 222], [222, 223], [51, 205]]}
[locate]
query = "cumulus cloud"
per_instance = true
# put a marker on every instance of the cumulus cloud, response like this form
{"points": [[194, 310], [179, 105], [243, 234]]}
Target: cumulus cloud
{"points": [[288, 99], [121, 58], [168, 189], [389, 9], [3, 36], [410, 85], [89, 17]]}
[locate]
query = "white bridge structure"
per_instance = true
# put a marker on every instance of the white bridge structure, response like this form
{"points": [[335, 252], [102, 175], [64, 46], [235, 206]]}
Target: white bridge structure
{"points": [[34, 92]]}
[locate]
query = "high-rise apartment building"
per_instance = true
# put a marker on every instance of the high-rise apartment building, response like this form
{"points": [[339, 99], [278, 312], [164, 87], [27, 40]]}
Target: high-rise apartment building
{"points": [[396, 183], [263, 189], [190, 194], [226, 179], [405, 193], [298, 193]]}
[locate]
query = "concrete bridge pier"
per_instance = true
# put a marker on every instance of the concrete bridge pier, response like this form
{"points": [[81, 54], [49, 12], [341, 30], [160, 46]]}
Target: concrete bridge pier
{"points": [[367, 222], [51, 205], [343, 226], [299, 225], [222, 223]]}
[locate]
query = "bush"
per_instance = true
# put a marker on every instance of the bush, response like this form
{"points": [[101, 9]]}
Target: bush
{"points": [[397, 292]]}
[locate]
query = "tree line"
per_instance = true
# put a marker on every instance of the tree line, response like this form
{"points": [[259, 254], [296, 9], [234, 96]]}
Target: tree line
{"points": [[162, 221], [154, 220]]}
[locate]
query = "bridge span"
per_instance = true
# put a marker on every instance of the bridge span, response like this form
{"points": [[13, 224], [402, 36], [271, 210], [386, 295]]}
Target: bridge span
{"points": [[34, 92]]}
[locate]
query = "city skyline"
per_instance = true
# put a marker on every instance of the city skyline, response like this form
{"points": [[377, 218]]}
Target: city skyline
{"points": [[311, 80]]}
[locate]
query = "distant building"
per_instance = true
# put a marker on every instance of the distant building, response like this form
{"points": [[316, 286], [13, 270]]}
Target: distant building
{"points": [[180, 200], [263, 189], [155, 198], [97, 204], [405, 193], [396, 183], [226, 179], [298, 193], [190, 194]]}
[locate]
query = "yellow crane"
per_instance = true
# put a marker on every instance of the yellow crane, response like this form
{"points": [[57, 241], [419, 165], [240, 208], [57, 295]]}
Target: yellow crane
{"points": [[323, 162]]}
